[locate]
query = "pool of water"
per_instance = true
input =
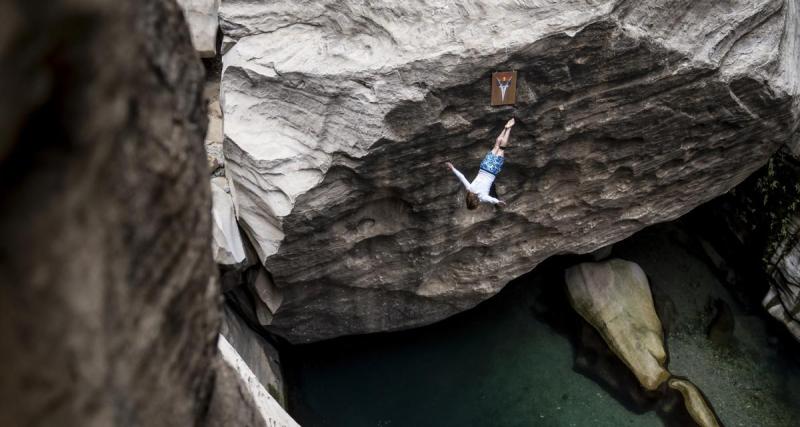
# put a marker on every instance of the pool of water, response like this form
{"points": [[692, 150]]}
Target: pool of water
{"points": [[511, 361]]}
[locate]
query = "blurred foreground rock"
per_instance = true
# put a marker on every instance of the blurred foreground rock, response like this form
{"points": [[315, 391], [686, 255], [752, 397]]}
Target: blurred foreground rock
{"points": [[109, 301]]}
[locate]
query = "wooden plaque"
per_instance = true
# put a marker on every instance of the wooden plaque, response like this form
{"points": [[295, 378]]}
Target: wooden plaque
{"points": [[504, 88]]}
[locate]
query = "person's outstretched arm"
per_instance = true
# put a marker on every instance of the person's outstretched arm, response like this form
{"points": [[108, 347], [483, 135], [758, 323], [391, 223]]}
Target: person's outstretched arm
{"points": [[490, 199], [458, 174]]}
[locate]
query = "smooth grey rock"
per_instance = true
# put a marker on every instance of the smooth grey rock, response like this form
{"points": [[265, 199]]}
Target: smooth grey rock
{"points": [[228, 246], [260, 356], [203, 22], [339, 115], [108, 298], [239, 398]]}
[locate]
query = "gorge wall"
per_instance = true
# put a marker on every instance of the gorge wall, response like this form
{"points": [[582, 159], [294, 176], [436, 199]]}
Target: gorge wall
{"points": [[339, 116]]}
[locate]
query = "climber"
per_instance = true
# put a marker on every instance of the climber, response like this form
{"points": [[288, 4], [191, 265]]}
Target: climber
{"points": [[478, 189]]}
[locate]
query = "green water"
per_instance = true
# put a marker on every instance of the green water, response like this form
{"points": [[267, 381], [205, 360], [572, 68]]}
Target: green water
{"points": [[510, 362]]}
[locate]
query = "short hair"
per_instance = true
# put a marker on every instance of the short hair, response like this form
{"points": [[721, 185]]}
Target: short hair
{"points": [[472, 200]]}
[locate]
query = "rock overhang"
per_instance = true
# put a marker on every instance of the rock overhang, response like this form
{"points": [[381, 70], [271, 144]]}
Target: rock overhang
{"points": [[338, 166]]}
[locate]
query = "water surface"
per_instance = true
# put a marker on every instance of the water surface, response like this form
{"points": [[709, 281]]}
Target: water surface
{"points": [[511, 361]]}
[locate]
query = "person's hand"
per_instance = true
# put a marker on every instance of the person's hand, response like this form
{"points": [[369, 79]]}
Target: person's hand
{"points": [[502, 204], [449, 165], [510, 123]]}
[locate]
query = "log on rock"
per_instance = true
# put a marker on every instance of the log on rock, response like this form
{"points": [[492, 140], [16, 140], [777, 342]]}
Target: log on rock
{"points": [[614, 297], [695, 402], [338, 118]]}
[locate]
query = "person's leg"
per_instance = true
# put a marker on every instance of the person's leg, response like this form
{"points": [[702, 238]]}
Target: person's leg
{"points": [[501, 141], [506, 136]]}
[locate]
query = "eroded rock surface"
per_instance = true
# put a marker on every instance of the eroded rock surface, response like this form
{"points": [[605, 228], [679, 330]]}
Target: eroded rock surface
{"points": [[338, 116]]}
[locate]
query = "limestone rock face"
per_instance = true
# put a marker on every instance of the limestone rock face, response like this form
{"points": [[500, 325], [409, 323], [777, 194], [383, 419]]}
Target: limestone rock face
{"points": [[108, 303], [203, 22], [615, 298], [339, 115]]}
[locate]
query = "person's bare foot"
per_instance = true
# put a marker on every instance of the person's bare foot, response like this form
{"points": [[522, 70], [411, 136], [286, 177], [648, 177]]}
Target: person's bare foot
{"points": [[510, 123]]}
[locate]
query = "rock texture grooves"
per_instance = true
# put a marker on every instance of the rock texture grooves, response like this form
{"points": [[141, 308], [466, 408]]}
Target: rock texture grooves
{"points": [[108, 311], [339, 114]]}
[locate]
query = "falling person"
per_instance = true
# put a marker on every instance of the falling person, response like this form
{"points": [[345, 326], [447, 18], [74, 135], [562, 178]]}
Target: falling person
{"points": [[478, 189]]}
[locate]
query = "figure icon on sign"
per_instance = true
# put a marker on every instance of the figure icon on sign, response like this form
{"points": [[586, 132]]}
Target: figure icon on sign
{"points": [[503, 82], [504, 88]]}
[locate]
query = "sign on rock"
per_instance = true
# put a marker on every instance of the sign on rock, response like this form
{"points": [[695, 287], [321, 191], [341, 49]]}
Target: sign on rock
{"points": [[504, 88]]}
